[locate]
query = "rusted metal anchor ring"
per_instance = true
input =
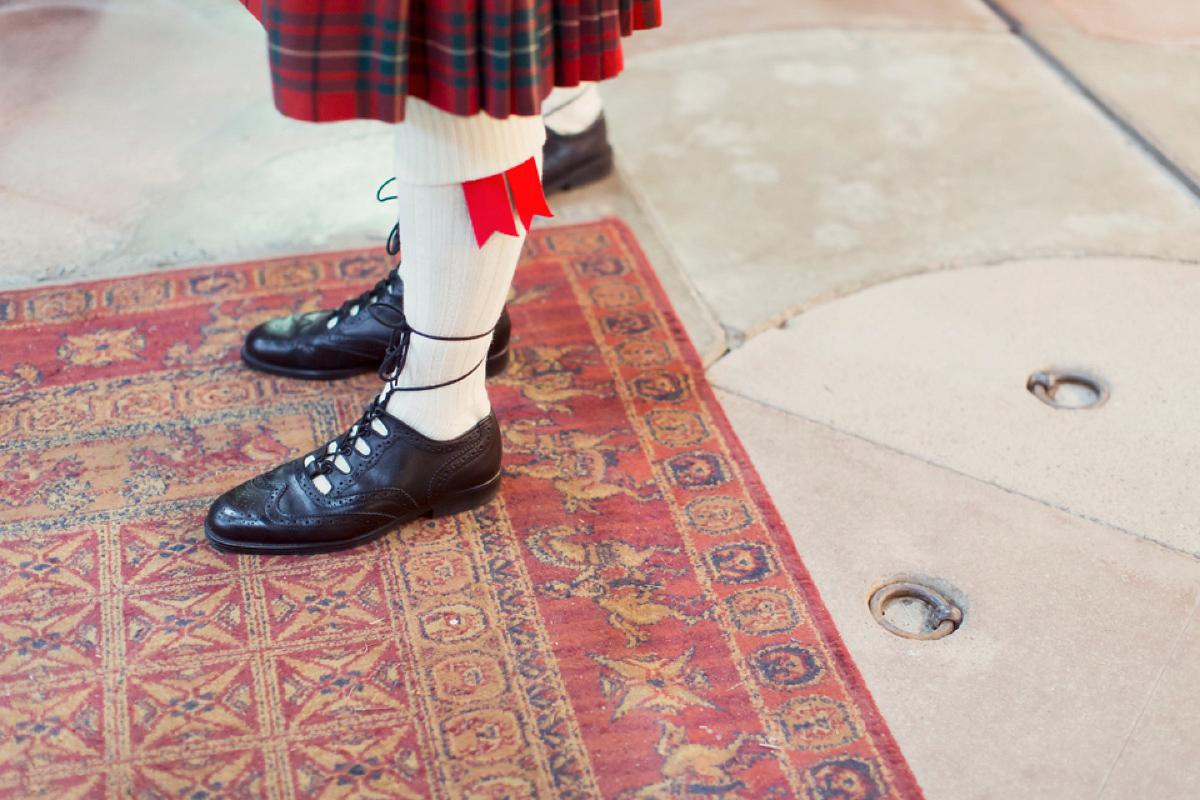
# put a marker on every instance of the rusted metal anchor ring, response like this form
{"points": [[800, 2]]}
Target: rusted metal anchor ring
{"points": [[1044, 386], [944, 616]]}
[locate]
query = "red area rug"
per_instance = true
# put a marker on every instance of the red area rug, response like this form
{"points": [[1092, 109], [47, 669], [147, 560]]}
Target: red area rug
{"points": [[629, 620]]}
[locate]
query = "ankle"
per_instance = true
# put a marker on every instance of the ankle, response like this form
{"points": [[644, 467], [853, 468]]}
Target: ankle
{"points": [[440, 414]]}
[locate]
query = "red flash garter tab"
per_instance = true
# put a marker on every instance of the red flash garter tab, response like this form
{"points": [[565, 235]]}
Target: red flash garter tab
{"points": [[527, 192], [489, 205], [491, 212]]}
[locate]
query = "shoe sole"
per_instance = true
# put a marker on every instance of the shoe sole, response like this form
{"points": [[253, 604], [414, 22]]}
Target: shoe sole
{"points": [[455, 503], [496, 363], [597, 169]]}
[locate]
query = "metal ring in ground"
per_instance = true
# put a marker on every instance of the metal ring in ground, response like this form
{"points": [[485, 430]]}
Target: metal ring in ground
{"points": [[944, 616], [1044, 386]]}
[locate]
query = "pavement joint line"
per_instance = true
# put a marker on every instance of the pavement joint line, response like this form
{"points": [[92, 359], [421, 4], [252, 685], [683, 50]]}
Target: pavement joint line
{"points": [[1149, 697], [1194, 556], [667, 245], [734, 338], [780, 321], [1141, 140]]}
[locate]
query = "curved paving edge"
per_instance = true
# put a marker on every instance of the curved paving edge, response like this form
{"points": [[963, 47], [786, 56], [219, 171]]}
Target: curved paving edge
{"points": [[935, 366], [783, 167]]}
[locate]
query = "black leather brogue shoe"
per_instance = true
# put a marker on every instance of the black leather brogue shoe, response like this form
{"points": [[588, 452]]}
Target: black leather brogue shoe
{"points": [[348, 341], [569, 162], [373, 479]]}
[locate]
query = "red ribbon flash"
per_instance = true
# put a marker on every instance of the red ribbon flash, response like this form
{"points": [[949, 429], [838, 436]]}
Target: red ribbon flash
{"points": [[491, 209]]}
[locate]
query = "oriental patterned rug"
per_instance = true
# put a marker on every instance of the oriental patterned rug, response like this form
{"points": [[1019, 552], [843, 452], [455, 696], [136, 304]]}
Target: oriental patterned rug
{"points": [[629, 620]]}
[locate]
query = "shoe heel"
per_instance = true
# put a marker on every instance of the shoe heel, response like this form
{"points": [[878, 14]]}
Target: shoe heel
{"points": [[595, 170], [498, 362], [467, 499]]}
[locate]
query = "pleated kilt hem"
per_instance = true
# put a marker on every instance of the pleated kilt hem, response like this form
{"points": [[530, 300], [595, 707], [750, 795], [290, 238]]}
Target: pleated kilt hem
{"points": [[360, 59]]}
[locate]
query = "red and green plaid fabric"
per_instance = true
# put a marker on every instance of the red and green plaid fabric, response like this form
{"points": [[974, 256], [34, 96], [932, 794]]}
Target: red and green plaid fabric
{"points": [[359, 59]]}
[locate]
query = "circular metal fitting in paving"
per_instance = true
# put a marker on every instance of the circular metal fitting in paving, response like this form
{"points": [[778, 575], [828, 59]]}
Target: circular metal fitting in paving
{"points": [[1071, 391], [915, 611]]}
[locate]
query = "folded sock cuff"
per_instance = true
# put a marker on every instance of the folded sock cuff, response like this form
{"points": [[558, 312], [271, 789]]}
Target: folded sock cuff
{"points": [[434, 148]]}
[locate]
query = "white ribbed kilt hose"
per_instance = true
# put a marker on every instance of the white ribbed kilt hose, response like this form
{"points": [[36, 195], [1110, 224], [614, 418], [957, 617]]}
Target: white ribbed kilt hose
{"points": [[452, 286]]}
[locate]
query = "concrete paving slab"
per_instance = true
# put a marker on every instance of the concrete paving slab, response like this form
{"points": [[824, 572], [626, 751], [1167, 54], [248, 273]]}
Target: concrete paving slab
{"points": [[68, 238], [1153, 88], [153, 133], [1159, 760], [935, 366], [1158, 22], [1142, 59], [320, 197], [1068, 623], [785, 169], [688, 21]]}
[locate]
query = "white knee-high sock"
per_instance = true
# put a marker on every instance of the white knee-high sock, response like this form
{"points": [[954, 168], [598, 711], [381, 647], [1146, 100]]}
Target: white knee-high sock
{"points": [[452, 286], [574, 110]]}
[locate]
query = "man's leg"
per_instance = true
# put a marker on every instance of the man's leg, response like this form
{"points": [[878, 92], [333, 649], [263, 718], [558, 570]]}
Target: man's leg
{"points": [[429, 444], [454, 286], [339, 343], [571, 111], [577, 151]]}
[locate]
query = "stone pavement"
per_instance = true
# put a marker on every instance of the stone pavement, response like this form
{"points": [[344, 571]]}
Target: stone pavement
{"points": [[876, 219]]}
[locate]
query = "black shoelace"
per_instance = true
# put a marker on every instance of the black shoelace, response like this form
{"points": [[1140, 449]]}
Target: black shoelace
{"points": [[390, 284], [392, 317], [324, 462], [397, 351]]}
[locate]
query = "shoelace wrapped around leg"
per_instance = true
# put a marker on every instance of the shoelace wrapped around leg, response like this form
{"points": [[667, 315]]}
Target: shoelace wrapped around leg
{"points": [[389, 285], [334, 455], [323, 462]]}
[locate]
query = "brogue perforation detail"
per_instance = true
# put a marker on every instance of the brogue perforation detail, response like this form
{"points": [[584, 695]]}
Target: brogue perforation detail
{"points": [[443, 475]]}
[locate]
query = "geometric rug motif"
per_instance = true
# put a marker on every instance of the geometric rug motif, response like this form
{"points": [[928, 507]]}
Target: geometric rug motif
{"points": [[628, 620]]}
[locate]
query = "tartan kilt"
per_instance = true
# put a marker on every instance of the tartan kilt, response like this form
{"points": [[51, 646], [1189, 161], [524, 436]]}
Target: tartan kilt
{"points": [[360, 59]]}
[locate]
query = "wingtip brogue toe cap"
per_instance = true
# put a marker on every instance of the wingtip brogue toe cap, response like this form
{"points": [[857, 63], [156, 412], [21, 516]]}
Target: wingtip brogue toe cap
{"points": [[240, 514], [248, 518], [280, 341], [400, 475]]}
